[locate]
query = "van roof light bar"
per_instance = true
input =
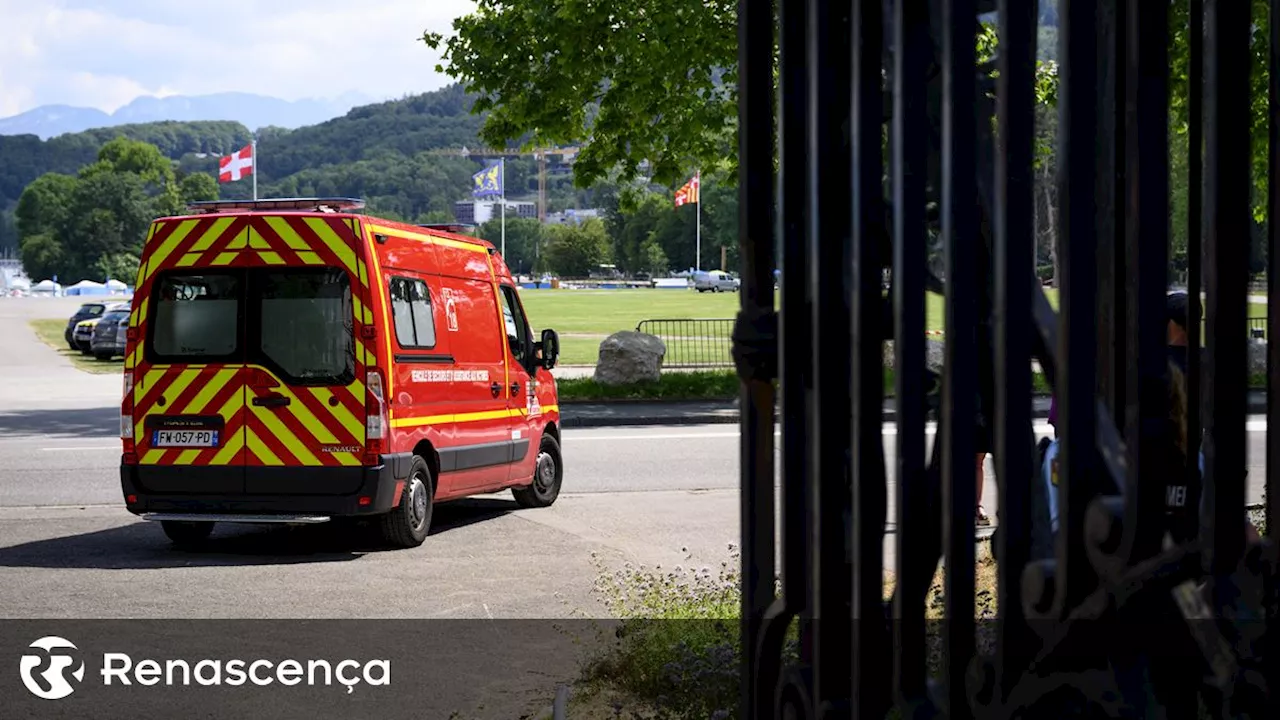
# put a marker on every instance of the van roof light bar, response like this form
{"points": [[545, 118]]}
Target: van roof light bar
{"points": [[334, 204]]}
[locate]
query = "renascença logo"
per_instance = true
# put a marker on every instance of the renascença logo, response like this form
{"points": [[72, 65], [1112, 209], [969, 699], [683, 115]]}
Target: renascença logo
{"points": [[55, 685]]}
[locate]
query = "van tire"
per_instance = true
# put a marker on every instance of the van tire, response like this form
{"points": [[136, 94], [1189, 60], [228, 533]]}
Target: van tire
{"points": [[102, 357], [187, 534], [408, 523], [548, 474]]}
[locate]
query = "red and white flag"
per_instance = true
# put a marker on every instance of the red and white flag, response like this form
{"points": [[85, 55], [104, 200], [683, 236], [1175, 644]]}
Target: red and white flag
{"points": [[236, 165], [690, 191]]}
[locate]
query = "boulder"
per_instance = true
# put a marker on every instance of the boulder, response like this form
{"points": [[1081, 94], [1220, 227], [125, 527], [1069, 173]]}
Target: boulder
{"points": [[1257, 356], [630, 357]]}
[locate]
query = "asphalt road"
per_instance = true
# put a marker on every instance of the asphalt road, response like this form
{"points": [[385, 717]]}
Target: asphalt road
{"points": [[650, 496]]}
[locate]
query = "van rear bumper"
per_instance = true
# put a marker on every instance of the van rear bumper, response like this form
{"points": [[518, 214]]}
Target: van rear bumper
{"points": [[221, 490]]}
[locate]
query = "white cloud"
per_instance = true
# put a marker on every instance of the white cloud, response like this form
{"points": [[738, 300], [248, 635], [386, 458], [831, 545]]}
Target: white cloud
{"points": [[103, 53]]}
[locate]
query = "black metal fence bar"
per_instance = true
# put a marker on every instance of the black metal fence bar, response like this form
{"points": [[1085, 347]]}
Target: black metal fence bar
{"points": [[1133, 547]]}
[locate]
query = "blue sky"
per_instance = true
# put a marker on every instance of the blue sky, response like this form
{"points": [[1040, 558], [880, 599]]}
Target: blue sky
{"points": [[104, 53]]}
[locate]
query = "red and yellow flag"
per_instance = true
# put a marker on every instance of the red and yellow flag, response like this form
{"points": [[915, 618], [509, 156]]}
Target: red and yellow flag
{"points": [[689, 192]]}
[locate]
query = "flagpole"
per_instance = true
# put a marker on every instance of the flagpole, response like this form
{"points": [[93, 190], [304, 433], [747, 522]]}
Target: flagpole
{"points": [[253, 151], [502, 178], [698, 263]]}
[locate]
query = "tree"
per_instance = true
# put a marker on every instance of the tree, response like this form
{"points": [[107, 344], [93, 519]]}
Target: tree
{"points": [[44, 205], [576, 250], [654, 80], [42, 256], [195, 187], [524, 240]]}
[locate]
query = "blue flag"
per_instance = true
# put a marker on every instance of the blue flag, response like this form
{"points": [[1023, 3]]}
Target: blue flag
{"points": [[488, 181]]}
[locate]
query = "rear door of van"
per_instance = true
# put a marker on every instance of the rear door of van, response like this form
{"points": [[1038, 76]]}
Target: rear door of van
{"points": [[185, 370], [307, 289]]}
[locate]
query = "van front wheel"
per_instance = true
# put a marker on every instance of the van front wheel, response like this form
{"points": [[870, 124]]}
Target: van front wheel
{"points": [[409, 522], [547, 476], [186, 534]]}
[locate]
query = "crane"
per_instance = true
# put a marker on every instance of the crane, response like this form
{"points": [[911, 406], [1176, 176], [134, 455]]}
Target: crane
{"points": [[540, 154]]}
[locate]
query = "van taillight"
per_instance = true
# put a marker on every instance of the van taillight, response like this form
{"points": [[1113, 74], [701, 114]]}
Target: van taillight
{"points": [[375, 422], [126, 408]]}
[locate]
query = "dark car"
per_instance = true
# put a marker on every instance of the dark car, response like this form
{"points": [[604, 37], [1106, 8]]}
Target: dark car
{"points": [[108, 339], [87, 311]]}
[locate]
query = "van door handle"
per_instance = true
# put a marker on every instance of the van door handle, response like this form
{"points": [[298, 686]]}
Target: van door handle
{"points": [[272, 400], [496, 389]]}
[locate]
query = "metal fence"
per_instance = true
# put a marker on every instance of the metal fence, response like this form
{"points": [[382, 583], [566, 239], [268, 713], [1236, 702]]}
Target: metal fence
{"points": [[694, 342], [1138, 605], [1258, 328]]}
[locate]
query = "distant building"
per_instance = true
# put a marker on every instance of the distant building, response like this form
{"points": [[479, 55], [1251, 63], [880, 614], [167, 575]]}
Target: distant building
{"points": [[476, 212], [575, 217]]}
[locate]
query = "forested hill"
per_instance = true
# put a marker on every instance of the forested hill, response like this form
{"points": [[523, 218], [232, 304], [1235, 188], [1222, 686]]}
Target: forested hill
{"points": [[374, 151]]}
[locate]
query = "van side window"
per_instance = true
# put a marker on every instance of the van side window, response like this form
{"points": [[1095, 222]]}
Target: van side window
{"points": [[411, 311], [517, 326]]}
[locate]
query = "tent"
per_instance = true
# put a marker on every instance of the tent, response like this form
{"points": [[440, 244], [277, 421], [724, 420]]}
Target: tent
{"points": [[87, 287], [115, 287], [47, 287]]}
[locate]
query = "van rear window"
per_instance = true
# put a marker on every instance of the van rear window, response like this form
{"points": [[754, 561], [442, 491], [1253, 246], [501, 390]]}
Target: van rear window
{"points": [[305, 324], [196, 317], [296, 321]]}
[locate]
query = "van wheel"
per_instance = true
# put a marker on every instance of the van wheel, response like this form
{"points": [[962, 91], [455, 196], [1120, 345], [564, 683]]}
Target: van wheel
{"points": [[407, 524], [187, 534], [547, 477], [102, 357]]}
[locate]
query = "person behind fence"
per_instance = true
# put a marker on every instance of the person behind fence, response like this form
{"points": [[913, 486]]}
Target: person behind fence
{"points": [[1182, 523]]}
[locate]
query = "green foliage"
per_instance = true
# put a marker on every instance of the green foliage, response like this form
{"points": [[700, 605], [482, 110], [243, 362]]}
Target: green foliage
{"points": [[577, 250], [524, 241], [707, 385], [629, 82], [92, 226]]}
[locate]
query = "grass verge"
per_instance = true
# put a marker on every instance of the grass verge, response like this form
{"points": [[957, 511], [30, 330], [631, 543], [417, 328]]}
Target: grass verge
{"points": [[50, 333], [676, 652]]}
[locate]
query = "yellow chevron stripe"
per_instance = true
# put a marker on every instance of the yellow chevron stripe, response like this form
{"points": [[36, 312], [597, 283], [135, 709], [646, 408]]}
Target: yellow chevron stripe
{"points": [[286, 437], [309, 258], [210, 389], [257, 242], [214, 232], [287, 233], [158, 256], [271, 258], [259, 449], [336, 244], [241, 240], [225, 258], [358, 307], [353, 424], [185, 378]]}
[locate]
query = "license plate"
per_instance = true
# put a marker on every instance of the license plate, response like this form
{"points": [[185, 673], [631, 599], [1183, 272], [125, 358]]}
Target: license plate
{"points": [[184, 438]]}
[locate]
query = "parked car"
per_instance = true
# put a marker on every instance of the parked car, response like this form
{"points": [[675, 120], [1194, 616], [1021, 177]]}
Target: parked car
{"points": [[108, 339], [82, 335], [86, 311], [715, 281]]}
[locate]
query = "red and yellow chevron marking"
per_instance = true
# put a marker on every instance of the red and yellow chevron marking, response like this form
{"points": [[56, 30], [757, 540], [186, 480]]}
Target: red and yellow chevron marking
{"points": [[193, 390], [297, 433], [316, 417]]}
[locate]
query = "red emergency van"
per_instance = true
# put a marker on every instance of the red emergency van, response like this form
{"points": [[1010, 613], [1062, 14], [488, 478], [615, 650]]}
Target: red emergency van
{"points": [[294, 361]]}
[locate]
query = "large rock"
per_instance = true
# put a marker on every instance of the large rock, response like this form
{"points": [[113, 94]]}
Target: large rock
{"points": [[933, 354], [630, 357], [1257, 356]]}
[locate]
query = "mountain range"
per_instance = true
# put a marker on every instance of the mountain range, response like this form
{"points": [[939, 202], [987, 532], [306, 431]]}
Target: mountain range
{"points": [[252, 111]]}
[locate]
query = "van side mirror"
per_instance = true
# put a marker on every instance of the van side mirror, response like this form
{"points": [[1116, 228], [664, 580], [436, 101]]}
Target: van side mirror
{"points": [[549, 348]]}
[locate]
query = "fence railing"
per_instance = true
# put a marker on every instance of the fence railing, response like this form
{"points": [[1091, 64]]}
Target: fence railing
{"points": [[693, 342], [1258, 328]]}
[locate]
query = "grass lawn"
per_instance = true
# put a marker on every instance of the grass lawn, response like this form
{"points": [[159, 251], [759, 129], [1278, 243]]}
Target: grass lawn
{"points": [[50, 332]]}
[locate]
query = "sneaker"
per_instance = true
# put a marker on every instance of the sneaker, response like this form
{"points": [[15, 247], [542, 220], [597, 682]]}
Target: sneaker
{"points": [[983, 519]]}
